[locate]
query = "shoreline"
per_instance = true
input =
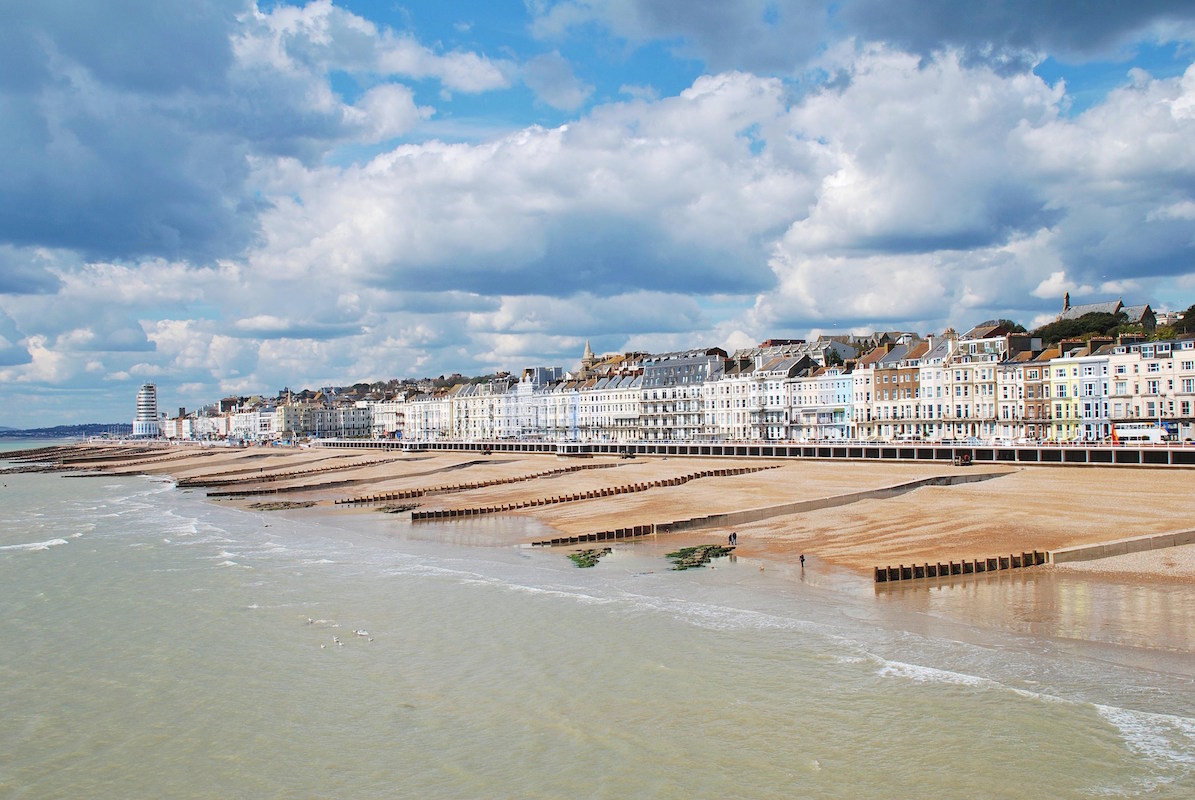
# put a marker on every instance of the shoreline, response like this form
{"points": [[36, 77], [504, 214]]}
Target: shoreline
{"points": [[1020, 509]]}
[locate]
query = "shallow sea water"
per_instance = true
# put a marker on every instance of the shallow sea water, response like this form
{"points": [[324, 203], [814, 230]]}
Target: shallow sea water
{"points": [[156, 644]]}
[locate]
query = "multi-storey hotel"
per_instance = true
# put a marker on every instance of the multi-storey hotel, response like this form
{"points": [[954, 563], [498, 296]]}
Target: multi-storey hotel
{"points": [[145, 421]]}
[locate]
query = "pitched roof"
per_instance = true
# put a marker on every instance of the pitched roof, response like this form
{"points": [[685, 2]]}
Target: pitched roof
{"points": [[985, 330], [1109, 307], [1137, 313], [872, 357], [894, 356], [917, 351]]}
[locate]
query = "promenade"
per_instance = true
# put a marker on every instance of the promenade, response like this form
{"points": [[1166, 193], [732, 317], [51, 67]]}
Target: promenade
{"points": [[1044, 453]]}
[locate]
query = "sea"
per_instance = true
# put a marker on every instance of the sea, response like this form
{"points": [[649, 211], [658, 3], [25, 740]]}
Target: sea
{"points": [[154, 644]]}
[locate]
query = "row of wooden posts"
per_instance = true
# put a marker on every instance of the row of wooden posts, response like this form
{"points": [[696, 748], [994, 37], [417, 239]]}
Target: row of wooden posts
{"points": [[408, 494], [965, 567], [609, 491], [77, 455], [249, 477], [601, 536]]}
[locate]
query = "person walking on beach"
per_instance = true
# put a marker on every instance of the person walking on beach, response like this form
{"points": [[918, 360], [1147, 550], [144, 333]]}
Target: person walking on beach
{"points": [[802, 561]]}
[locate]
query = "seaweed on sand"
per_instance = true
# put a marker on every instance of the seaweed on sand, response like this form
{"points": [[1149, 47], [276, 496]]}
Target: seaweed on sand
{"points": [[282, 505], [699, 556], [397, 508], [588, 558]]}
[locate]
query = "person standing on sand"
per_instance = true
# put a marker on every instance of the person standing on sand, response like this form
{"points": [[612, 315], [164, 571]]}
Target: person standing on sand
{"points": [[802, 561]]}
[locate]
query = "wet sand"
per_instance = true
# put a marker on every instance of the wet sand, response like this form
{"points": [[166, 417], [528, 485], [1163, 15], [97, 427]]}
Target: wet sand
{"points": [[1021, 509]]}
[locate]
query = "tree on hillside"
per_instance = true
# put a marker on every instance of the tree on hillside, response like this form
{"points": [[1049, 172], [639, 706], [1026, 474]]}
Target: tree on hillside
{"points": [[1187, 323], [1086, 326], [1011, 327]]}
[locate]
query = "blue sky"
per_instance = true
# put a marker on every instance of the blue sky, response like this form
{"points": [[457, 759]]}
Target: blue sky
{"points": [[228, 197]]}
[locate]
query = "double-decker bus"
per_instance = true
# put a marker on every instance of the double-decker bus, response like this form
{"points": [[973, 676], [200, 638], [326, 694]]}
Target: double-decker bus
{"points": [[1140, 433]]}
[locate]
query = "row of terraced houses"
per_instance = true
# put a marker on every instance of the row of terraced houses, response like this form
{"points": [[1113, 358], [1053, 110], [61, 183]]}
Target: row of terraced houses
{"points": [[989, 384]]}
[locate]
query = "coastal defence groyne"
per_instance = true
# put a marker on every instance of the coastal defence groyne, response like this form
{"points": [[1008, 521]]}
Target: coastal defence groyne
{"points": [[746, 516], [1083, 552], [968, 566], [1043, 454], [410, 494], [591, 494], [1120, 547]]}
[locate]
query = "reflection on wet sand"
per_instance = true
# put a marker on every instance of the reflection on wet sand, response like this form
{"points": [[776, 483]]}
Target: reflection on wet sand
{"points": [[1045, 602]]}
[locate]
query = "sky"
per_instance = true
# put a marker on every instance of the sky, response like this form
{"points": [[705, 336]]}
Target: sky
{"points": [[231, 197]]}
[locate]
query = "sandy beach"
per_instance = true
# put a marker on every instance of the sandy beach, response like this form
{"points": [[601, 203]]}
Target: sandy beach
{"points": [[1014, 509]]}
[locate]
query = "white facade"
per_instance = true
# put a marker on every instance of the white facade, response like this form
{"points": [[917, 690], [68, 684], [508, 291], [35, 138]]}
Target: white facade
{"points": [[991, 388], [610, 409], [145, 421], [389, 419], [822, 404], [1154, 381], [252, 425]]}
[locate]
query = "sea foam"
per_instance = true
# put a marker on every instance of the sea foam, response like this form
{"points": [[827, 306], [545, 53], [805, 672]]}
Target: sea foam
{"points": [[1159, 737], [33, 546]]}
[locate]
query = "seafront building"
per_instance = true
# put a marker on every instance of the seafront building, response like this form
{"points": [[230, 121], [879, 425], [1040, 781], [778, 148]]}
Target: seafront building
{"points": [[145, 421], [990, 384], [673, 394]]}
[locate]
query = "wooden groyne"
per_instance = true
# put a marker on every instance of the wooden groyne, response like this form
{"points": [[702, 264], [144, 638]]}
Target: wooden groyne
{"points": [[311, 487], [965, 567], [257, 475], [63, 457], [135, 467], [634, 532], [410, 494], [592, 494], [736, 518], [307, 487], [1083, 552]]}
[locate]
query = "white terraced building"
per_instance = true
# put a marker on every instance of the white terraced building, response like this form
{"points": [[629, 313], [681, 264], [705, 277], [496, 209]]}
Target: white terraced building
{"points": [[989, 384]]}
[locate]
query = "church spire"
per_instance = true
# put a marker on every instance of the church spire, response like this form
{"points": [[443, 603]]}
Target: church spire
{"points": [[587, 360]]}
